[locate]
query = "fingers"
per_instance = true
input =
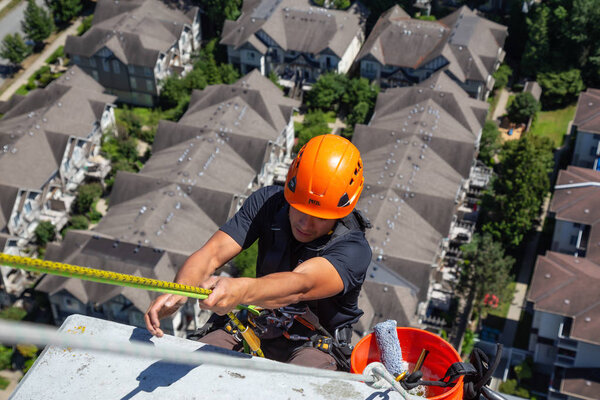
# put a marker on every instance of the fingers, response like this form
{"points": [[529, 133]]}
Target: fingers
{"points": [[163, 306]]}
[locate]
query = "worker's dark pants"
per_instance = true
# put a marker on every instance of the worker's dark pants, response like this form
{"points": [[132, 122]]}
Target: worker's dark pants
{"points": [[279, 349]]}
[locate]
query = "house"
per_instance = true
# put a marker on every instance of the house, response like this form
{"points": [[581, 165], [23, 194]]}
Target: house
{"points": [[418, 151], [401, 51], [565, 338], [133, 45], [58, 130], [294, 39], [586, 127], [116, 303], [575, 208], [232, 137], [565, 341]]}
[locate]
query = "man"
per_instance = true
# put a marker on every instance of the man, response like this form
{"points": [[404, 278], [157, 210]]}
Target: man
{"points": [[312, 254]]}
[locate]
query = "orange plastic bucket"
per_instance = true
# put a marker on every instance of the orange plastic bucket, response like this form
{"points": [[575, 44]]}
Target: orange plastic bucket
{"points": [[412, 341]]}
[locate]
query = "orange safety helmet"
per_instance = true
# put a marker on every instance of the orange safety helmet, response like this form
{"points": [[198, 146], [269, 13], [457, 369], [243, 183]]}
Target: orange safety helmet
{"points": [[326, 178]]}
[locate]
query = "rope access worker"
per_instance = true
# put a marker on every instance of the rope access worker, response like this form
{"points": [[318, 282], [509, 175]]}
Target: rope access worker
{"points": [[312, 260]]}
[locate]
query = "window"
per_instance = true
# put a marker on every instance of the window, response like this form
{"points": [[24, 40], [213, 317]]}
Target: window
{"points": [[116, 66], [92, 62], [149, 85], [27, 207], [369, 67], [251, 55], [131, 69], [593, 150], [573, 240], [147, 71], [133, 83], [76, 59], [17, 218], [105, 65], [95, 74]]}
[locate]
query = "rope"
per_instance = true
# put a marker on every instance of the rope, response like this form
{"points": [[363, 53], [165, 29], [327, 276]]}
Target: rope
{"points": [[22, 332]]}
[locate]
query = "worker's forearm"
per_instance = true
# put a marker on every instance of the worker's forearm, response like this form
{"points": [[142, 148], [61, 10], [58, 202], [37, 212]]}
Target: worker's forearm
{"points": [[278, 289], [196, 269]]}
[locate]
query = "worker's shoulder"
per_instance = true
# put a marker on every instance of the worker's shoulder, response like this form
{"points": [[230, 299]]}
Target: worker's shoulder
{"points": [[271, 194]]}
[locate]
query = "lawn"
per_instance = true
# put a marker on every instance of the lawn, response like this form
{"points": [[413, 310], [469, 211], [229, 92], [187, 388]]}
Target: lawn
{"points": [[502, 309], [553, 124], [493, 102]]}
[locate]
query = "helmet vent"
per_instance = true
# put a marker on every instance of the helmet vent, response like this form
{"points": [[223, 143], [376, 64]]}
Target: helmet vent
{"points": [[292, 185], [344, 201], [351, 181]]}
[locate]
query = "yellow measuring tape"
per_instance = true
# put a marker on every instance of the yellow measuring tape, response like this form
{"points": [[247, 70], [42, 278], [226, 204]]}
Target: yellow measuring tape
{"points": [[116, 278]]}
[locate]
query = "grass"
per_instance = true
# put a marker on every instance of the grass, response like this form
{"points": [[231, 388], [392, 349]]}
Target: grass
{"points": [[59, 52], [502, 309], [493, 101], [553, 124], [9, 7], [4, 383], [13, 313]]}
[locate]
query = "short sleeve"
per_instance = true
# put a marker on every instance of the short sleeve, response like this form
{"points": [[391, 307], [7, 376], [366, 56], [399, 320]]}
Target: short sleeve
{"points": [[351, 257], [244, 226]]}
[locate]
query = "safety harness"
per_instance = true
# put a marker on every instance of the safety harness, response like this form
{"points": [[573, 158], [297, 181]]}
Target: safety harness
{"points": [[477, 375]]}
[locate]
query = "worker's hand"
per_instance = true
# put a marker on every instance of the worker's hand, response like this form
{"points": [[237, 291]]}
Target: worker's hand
{"points": [[226, 294], [163, 306]]}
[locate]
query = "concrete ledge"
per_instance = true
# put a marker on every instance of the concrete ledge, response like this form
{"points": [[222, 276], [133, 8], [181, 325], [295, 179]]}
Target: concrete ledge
{"points": [[68, 373]]}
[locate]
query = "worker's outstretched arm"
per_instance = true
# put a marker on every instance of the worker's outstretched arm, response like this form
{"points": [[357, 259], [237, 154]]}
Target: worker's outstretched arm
{"points": [[219, 249], [314, 279]]}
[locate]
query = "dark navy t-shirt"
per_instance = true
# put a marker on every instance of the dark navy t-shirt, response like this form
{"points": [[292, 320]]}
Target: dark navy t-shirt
{"points": [[264, 216]]}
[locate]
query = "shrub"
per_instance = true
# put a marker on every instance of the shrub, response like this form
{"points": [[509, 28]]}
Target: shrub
{"points": [[79, 222], [13, 313], [5, 357], [4, 383], [44, 233], [86, 195]]}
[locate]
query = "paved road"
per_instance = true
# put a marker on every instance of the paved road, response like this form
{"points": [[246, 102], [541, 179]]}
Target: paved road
{"points": [[11, 23], [41, 60]]}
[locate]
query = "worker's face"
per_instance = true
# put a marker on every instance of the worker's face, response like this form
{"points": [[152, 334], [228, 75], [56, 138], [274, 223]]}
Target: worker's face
{"points": [[307, 228]]}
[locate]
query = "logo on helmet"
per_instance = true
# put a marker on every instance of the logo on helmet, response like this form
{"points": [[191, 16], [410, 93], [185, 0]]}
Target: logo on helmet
{"points": [[315, 202]]}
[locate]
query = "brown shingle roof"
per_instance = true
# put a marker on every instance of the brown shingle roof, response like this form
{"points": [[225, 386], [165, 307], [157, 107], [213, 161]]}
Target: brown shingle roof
{"points": [[568, 286], [580, 204], [587, 116]]}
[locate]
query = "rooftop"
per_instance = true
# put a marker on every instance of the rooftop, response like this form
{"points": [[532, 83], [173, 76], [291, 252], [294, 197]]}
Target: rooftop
{"points": [[587, 116]]}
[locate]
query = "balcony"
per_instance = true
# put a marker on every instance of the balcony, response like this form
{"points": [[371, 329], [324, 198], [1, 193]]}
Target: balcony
{"points": [[568, 344]]}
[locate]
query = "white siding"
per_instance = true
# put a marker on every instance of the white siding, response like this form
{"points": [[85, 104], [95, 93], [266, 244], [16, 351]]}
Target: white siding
{"points": [[349, 56]]}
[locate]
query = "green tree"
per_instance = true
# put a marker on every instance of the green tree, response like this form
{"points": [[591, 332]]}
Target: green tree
{"points": [[523, 107], [326, 94], [358, 115], [174, 90], [513, 203], [502, 76], [217, 11], [490, 143], [37, 23], [537, 47], [44, 233], [485, 269], [245, 262], [64, 10], [228, 74], [86, 195], [78, 222], [523, 370], [14, 48], [314, 124], [560, 88]]}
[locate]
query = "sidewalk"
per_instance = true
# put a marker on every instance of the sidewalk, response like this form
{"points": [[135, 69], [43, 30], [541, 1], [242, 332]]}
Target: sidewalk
{"points": [[4, 3], [41, 59], [500, 109]]}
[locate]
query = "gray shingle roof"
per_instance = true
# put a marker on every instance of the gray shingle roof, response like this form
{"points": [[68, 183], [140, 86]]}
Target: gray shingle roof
{"points": [[417, 149], [163, 214], [136, 31], [8, 196], [469, 42], [566, 285], [37, 128], [296, 25], [88, 249], [401, 41]]}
